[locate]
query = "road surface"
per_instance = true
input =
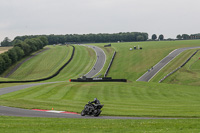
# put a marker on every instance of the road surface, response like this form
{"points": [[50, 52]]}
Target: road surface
{"points": [[152, 72], [101, 58]]}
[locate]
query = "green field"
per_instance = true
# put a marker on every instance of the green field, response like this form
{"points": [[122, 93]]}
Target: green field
{"points": [[120, 99], [179, 99], [52, 125]]}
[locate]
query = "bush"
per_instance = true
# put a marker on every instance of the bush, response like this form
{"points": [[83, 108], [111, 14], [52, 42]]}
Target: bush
{"points": [[12, 55], [24, 46], [2, 65], [19, 52], [7, 60]]}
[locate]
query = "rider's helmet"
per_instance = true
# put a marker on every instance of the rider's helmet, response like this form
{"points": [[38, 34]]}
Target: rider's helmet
{"points": [[95, 99]]}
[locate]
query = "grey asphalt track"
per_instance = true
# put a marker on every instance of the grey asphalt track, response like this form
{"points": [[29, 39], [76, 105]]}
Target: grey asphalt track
{"points": [[152, 72], [9, 111], [101, 58]]}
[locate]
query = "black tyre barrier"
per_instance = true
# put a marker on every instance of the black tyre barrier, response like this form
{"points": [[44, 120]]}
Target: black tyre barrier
{"points": [[43, 79], [178, 67], [109, 45], [108, 79], [106, 73]]}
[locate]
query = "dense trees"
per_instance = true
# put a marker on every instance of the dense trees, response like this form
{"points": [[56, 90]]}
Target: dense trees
{"points": [[2, 64], [179, 37], [7, 60], [80, 38], [6, 42], [24, 46], [187, 37], [20, 50]]}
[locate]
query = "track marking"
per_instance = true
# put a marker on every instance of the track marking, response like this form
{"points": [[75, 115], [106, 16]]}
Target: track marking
{"points": [[55, 111]]}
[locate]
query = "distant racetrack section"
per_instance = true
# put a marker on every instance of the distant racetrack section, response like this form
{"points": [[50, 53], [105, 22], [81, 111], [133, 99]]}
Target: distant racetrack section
{"points": [[101, 58], [152, 72]]}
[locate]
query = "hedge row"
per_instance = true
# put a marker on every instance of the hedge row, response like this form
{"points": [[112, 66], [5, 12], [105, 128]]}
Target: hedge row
{"points": [[20, 50]]}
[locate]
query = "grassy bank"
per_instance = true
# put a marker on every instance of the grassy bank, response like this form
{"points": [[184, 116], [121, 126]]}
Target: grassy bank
{"points": [[83, 61], [133, 64], [44, 64]]}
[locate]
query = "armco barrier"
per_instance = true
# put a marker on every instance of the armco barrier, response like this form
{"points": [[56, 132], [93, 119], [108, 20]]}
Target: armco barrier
{"points": [[108, 79], [43, 79], [178, 67], [106, 73]]}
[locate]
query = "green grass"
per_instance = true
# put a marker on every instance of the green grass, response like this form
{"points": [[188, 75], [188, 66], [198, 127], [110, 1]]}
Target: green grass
{"points": [[121, 99], [23, 124], [44, 64], [83, 61]]}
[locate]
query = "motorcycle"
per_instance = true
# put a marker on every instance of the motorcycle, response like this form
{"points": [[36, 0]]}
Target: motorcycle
{"points": [[92, 109]]}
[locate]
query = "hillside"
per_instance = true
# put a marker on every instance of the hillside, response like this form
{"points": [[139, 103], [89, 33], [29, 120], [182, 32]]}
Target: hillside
{"points": [[122, 99], [49, 61], [133, 64]]}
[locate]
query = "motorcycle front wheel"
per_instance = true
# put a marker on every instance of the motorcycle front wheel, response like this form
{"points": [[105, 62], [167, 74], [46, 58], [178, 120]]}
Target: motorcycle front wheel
{"points": [[98, 113], [83, 113]]}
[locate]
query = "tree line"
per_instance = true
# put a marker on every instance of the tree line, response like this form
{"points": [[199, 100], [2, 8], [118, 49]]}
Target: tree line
{"points": [[20, 50], [187, 37], [92, 38]]}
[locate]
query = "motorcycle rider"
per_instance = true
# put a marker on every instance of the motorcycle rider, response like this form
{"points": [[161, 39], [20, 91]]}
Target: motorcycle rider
{"points": [[96, 101], [92, 108]]}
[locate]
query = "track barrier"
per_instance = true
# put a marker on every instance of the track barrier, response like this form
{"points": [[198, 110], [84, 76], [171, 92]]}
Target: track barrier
{"points": [[108, 69], [107, 79]]}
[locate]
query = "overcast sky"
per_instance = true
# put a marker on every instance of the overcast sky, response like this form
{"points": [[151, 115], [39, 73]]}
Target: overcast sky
{"points": [[34, 17]]}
